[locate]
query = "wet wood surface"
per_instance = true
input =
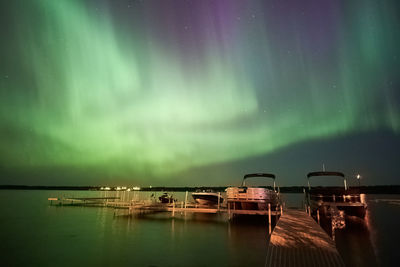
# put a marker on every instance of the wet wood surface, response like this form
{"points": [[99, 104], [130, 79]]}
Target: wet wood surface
{"points": [[297, 240]]}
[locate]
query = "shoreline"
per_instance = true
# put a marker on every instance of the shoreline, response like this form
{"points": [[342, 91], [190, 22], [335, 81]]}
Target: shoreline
{"points": [[375, 189]]}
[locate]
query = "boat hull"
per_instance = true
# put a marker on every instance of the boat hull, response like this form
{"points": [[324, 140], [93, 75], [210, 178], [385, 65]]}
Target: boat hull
{"points": [[204, 198], [251, 198], [350, 208], [166, 198]]}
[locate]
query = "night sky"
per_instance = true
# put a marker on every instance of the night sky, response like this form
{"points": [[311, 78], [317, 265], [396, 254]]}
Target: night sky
{"points": [[198, 92]]}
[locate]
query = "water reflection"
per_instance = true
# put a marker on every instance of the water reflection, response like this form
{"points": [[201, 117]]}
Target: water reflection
{"points": [[355, 245], [354, 242], [248, 238], [245, 227], [241, 242], [211, 233]]}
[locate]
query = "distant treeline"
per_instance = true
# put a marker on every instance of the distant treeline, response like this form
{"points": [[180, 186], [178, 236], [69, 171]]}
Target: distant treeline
{"points": [[44, 187], [374, 189]]}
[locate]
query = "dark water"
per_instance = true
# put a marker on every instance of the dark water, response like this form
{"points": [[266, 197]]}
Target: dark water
{"points": [[374, 241], [32, 233]]}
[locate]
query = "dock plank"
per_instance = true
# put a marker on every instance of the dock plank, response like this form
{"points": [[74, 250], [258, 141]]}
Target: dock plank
{"points": [[298, 240]]}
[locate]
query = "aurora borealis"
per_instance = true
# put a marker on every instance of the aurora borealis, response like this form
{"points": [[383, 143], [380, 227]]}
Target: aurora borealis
{"points": [[169, 92]]}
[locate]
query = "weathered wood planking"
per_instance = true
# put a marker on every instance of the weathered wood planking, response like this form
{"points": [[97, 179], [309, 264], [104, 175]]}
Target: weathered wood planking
{"points": [[298, 240]]}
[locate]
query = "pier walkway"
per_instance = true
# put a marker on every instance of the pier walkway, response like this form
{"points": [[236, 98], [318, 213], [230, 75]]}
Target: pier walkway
{"points": [[297, 240]]}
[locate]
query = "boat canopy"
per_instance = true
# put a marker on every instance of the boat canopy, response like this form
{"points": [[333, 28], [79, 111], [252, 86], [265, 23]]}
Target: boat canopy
{"points": [[250, 175], [323, 173]]}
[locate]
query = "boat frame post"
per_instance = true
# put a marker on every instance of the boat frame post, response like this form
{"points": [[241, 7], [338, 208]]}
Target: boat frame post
{"points": [[173, 209], [318, 216]]}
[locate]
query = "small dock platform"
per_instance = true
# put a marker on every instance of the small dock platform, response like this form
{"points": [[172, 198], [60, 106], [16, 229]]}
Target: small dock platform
{"points": [[297, 240]]}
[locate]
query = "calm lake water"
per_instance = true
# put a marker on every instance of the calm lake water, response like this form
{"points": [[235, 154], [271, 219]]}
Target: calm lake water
{"points": [[33, 233]]}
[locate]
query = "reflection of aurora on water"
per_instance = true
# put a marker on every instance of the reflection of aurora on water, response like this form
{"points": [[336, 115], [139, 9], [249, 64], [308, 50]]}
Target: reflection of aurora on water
{"points": [[159, 88]]}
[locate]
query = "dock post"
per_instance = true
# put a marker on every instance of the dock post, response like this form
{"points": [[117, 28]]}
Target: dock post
{"points": [[281, 210], [229, 211], [186, 196], [269, 218], [318, 215], [219, 195], [173, 209]]}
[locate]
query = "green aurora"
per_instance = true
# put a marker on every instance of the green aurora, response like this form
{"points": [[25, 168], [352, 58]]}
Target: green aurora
{"points": [[88, 85]]}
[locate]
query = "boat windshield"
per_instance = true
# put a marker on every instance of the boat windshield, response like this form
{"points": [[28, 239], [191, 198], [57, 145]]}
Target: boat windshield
{"points": [[259, 175], [327, 179]]}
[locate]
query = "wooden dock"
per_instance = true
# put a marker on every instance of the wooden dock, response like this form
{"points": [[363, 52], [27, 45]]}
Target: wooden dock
{"points": [[297, 240], [141, 207]]}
